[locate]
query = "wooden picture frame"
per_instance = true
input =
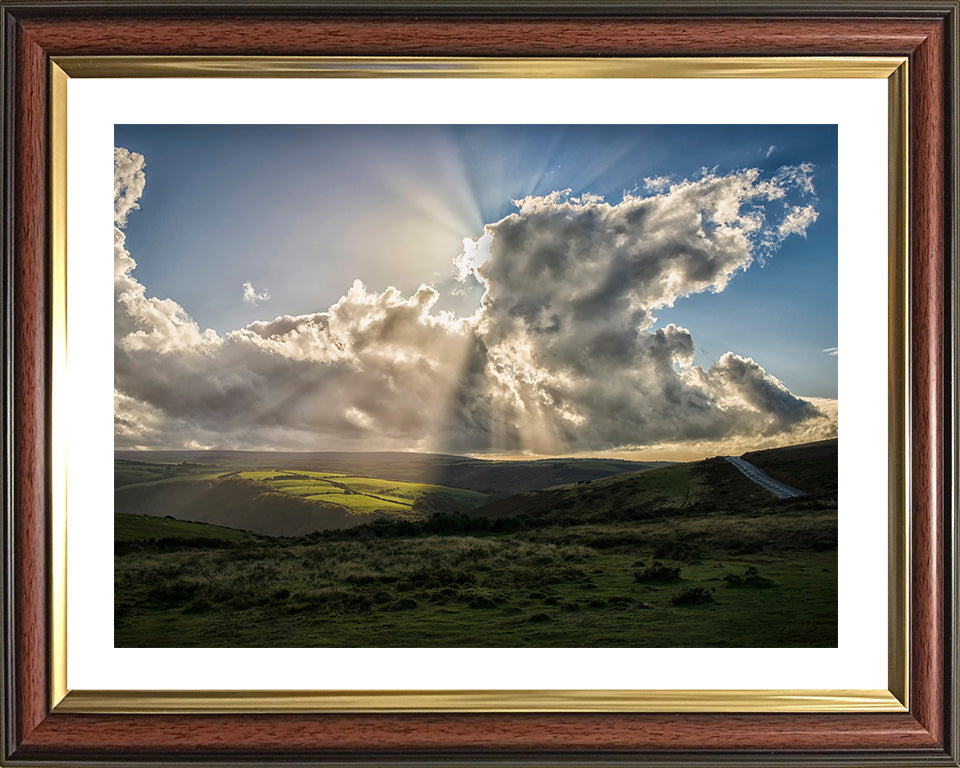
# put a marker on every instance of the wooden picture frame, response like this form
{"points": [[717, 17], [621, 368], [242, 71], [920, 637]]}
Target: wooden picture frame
{"points": [[37, 731]]}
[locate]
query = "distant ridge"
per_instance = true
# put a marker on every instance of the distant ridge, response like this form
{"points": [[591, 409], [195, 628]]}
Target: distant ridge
{"points": [[496, 478]]}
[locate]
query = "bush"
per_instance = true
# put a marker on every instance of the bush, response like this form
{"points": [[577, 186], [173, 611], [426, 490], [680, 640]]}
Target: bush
{"points": [[692, 596], [749, 579], [403, 604], [198, 605], [444, 596], [658, 573], [480, 598], [380, 597], [481, 601]]}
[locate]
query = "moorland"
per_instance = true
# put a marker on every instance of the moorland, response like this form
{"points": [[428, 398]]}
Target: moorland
{"points": [[229, 549]]}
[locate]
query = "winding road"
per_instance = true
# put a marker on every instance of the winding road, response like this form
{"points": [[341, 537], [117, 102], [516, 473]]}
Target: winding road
{"points": [[764, 480]]}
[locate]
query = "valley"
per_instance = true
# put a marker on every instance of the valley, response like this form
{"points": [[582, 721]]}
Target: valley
{"points": [[215, 549]]}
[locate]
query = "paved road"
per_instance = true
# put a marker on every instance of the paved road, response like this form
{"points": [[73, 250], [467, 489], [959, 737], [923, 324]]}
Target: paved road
{"points": [[775, 487]]}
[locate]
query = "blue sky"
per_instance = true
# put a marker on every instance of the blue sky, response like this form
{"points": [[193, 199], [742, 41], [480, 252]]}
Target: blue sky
{"points": [[300, 212]]}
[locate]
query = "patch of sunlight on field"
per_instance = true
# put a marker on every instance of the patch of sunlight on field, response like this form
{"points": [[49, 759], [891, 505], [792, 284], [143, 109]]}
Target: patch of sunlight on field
{"points": [[282, 474], [299, 487], [312, 484], [405, 492], [361, 504]]}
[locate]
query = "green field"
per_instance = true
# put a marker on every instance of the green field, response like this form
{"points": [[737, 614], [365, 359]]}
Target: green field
{"points": [[278, 502], [683, 556], [494, 478], [360, 494]]}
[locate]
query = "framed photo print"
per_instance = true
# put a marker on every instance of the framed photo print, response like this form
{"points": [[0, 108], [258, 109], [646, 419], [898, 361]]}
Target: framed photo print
{"points": [[480, 384]]}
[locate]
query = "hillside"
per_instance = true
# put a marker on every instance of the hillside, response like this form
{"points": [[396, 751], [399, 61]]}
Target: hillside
{"points": [[285, 503], [811, 467], [146, 528], [494, 478], [700, 487], [690, 555]]}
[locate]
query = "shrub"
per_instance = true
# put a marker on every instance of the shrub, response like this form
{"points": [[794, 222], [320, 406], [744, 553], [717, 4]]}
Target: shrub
{"points": [[692, 596], [358, 603], [480, 598], [380, 597], [481, 601], [658, 573], [198, 605], [540, 617], [749, 579], [443, 596], [361, 579], [403, 604]]}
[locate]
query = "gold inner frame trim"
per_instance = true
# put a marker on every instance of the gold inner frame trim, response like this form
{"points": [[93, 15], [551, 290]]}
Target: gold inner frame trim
{"points": [[893, 69], [58, 372], [227, 702], [432, 66]]}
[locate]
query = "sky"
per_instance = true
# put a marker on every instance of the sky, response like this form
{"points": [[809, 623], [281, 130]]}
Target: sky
{"points": [[491, 290]]}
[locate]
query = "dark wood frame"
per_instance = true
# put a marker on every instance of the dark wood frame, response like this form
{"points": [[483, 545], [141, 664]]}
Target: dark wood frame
{"points": [[926, 32]]}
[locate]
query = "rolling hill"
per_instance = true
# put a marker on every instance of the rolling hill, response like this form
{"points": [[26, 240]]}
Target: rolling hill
{"points": [[494, 478], [691, 488], [286, 503], [811, 467], [690, 555]]}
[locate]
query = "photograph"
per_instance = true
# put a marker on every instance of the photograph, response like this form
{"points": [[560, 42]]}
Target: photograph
{"points": [[454, 386], [472, 390]]}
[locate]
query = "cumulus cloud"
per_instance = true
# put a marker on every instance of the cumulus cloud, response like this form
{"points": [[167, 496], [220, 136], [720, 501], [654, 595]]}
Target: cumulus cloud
{"points": [[252, 297], [797, 221], [141, 322], [128, 183], [562, 356]]}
